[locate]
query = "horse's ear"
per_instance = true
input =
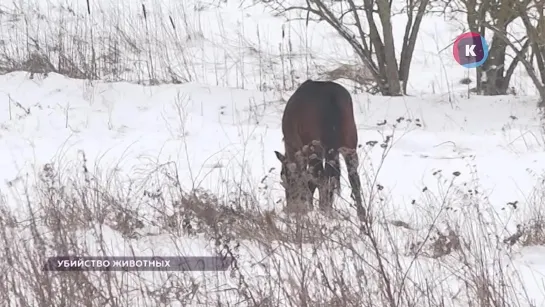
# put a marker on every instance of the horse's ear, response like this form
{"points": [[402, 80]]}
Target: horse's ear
{"points": [[280, 156]]}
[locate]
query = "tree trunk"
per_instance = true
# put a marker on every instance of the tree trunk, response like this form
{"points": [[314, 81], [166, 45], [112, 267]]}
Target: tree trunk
{"points": [[392, 72], [496, 82], [409, 43]]}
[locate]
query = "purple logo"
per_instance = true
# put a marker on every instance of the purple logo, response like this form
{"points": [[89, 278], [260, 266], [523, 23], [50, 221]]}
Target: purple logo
{"points": [[470, 50]]}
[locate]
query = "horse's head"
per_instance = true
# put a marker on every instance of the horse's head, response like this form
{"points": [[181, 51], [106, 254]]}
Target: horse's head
{"points": [[294, 179]]}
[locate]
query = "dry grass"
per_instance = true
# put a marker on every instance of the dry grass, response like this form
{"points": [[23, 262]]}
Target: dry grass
{"points": [[452, 251], [152, 43], [447, 254]]}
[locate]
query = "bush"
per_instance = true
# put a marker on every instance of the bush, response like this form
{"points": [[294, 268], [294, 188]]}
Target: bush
{"points": [[448, 254]]}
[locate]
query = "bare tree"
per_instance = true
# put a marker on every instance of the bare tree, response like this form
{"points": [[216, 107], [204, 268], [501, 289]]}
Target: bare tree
{"points": [[494, 76], [532, 16], [372, 40]]}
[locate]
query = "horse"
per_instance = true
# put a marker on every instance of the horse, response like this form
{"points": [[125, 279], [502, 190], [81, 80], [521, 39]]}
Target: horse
{"points": [[318, 124]]}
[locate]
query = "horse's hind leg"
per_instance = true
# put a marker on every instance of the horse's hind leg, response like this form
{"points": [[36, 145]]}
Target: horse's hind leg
{"points": [[352, 162]]}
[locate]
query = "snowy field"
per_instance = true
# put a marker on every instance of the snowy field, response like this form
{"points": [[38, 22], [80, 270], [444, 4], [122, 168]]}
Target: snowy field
{"points": [[119, 168]]}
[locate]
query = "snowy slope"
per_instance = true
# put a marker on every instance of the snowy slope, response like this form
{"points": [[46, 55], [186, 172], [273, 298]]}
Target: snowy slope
{"points": [[120, 142]]}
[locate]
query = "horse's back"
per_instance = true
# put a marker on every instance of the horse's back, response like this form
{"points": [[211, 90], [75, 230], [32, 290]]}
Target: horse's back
{"points": [[320, 92], [313, 96], [319, 110]]}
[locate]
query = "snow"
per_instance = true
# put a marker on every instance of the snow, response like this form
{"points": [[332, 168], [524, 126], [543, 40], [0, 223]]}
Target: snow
{"points": [[221, 136]]}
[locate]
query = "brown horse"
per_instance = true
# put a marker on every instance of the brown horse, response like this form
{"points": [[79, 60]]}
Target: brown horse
{"points": [[318, 124]]}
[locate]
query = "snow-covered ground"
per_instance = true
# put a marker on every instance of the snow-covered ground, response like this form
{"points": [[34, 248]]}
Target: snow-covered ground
{"points": [[218, 133]]}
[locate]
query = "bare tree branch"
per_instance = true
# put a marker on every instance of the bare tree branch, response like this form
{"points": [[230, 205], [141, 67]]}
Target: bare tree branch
{"points": [[522, 58]]}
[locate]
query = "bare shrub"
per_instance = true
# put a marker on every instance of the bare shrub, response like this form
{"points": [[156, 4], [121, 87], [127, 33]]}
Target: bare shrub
{"points": [[371, 37], [447, 254]]}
